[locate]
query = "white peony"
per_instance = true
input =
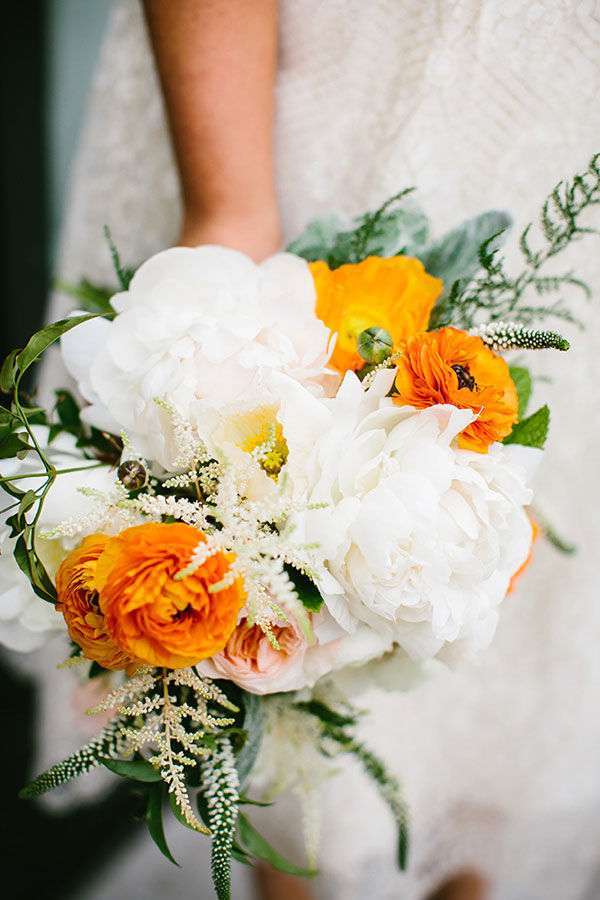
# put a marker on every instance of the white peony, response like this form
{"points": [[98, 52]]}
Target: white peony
{"points": [[26, 621], [421, 537], [197, 328]]}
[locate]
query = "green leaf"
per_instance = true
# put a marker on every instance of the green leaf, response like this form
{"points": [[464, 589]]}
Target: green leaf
{"points": [[259, 847], [253, 726], [67, 411], [42, 339], [8, 372], [28, 562], [154, 820], [91, 297], [13, 444], [523, 383], [123, 273], [326, 714], [136, 769], [247, 801], [27, 501], [403, 846], [308, 592], [455, 256], [532, 431], [317, 239], [386, 232]]}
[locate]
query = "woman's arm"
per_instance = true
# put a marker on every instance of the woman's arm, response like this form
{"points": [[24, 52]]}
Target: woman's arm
{"points": [[217, 61]]}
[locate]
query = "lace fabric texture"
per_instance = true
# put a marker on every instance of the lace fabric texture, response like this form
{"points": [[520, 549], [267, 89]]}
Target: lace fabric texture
{"points": [[478, 104]]}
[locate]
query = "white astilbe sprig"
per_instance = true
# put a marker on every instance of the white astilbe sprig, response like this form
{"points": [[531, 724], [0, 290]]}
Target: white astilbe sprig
{"points": [[190, 448], [108, 512], [290, 760], [158, 506], [174, 724]]}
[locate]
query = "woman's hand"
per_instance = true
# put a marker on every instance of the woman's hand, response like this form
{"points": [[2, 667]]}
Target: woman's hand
{"points": [[217, 62], [257, 234]]}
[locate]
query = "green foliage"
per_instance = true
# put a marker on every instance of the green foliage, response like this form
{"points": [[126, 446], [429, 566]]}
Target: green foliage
{"points": [[8, 372], [551, 535], [91, 297], [495, 294], [135, 769], [334, 729], [307, 591], [257, 846], [532, 431], [123, 273], [523, 383], [87, 757], [154, 819], [455, 256], [42, 339], [388, 231], [253, 725], [326, 715]]}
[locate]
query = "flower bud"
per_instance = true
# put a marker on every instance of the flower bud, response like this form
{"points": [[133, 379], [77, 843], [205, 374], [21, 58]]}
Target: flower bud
{"points": [[375, 345], [132, 474]]}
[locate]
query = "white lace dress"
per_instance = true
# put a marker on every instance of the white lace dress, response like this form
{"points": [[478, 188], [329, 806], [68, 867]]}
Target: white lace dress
{"points": [[479, 103]]}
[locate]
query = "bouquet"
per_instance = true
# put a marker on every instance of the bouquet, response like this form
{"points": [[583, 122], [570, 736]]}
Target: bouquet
{"points": [[279, 485]]}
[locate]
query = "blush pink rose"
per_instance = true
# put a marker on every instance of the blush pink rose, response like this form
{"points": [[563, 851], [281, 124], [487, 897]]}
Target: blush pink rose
{"points": [[252, 663]]}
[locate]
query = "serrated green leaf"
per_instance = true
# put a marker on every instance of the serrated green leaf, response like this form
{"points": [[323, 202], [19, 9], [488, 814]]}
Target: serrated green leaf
{"points": [[43, 339], [136, 769], [154, 820], [8, 372], [256, 845], [523, 383], [532, 431], [455, 256]]}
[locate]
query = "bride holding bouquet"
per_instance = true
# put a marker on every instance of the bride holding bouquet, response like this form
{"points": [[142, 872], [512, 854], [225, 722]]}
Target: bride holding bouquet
{"points": [[281, 113]]}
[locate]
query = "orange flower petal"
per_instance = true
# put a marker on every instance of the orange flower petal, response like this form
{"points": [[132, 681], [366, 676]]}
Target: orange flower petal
{"points": [[451, 366], [396, 294], [157, 618]]}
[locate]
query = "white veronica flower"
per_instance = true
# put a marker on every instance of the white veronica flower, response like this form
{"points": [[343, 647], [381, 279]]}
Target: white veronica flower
{"points": [[421, 537], [197, 327]]}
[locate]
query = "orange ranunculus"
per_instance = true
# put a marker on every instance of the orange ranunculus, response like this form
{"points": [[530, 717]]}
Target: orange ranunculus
{"points": [[535, 533], [78, 602], [155, 616], [396, 294], [451, 366]]}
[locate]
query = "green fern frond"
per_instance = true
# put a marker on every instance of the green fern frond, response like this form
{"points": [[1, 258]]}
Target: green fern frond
{"points": [[388, 786], [495, 294]]}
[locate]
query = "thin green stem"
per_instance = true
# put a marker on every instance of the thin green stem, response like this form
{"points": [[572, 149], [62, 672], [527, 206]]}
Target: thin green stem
{"points": [[10, 478]]}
